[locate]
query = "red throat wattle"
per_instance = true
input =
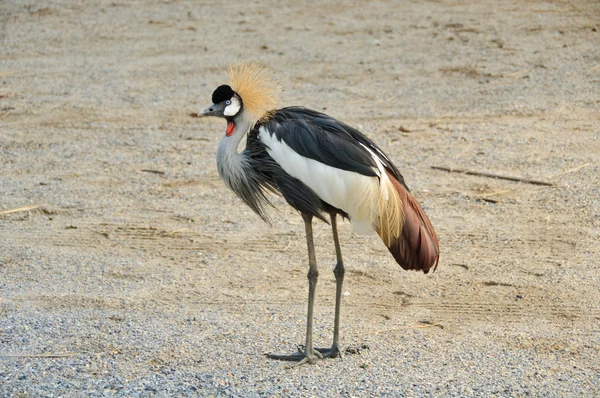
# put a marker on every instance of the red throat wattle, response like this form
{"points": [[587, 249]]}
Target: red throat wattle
{"points": [[230, 129]]}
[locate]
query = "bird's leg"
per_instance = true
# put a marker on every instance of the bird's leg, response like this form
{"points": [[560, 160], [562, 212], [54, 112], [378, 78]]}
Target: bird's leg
{"points": [[338, 271], [313, 275], [309, 354]]}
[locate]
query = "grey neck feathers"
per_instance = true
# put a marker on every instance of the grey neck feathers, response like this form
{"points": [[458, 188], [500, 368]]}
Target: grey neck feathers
{"points": [[237, 171], [232, 165]]}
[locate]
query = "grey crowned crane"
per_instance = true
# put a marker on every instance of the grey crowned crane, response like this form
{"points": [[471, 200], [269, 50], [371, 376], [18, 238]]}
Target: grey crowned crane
{"points": [[323, 168]]}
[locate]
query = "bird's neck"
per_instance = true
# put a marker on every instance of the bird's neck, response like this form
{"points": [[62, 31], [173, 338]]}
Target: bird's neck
{"points": [[231, 164]]}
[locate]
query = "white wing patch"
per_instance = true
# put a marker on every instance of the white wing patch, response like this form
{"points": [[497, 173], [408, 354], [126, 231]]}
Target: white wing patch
{"points": [[354, 193]]}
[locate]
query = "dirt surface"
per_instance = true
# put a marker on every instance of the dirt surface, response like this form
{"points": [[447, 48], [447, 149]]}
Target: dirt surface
{"points": [[140, 273]]}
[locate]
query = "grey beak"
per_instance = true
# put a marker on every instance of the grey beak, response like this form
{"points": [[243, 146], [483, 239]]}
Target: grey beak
{"points": [[208, 112], [214, 110]]}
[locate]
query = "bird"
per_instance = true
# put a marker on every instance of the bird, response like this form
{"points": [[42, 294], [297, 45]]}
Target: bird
{"points": [[323, 168]]}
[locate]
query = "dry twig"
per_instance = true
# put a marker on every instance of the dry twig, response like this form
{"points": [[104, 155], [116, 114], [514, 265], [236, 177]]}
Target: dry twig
{"points": [[9, 73], [20, 209], [594, 68], [488, 196], [153, 171], [486, 199], [496, 193], [49, 355], [574, 169], [490, 175]]}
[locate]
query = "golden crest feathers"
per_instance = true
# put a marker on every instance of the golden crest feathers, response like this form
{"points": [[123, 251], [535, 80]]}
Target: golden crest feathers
{"points": [[254, 82]]}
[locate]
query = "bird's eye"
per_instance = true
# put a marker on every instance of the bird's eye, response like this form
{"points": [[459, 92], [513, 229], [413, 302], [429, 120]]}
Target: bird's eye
{"points": [[228, 102]]}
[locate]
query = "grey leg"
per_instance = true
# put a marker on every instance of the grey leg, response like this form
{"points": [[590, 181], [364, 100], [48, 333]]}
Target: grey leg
{"points": [[313, 275], [338, 271], [309, 355]]}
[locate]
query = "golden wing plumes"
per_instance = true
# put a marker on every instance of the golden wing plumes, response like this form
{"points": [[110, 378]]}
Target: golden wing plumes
{"points": [[254, 82]]}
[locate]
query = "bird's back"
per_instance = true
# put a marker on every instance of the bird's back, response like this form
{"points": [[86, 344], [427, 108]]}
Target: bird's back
{"points": [[325, 139]]}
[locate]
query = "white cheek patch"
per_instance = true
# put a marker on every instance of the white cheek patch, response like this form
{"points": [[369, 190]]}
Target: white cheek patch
{"points": [[233, 108]]}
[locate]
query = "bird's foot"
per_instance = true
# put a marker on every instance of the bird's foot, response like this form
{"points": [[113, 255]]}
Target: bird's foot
{"points": [[301, 357], [332, 352]]}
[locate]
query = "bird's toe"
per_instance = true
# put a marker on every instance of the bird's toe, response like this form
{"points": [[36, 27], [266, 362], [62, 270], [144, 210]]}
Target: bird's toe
{"points": [[333, 352], [301, 357]]}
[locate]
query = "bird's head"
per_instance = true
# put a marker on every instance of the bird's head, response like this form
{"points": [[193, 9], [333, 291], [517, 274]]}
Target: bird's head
{"points": [[226, 103], [251, 81]]}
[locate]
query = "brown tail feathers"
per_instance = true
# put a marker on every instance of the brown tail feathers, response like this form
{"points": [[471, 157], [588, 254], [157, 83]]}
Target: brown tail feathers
{"points": [[417, 246]]}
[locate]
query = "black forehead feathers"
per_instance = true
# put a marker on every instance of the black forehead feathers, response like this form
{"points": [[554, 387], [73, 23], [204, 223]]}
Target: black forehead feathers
{"points": [[222, 93]]}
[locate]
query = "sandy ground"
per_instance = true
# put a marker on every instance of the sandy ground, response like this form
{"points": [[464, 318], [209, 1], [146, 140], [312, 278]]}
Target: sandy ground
{"points": [[141, 274]]}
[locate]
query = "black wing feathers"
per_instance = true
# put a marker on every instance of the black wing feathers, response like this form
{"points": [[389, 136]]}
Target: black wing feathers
{"points": [[320, 137], [269, 176], [316, 139]]}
